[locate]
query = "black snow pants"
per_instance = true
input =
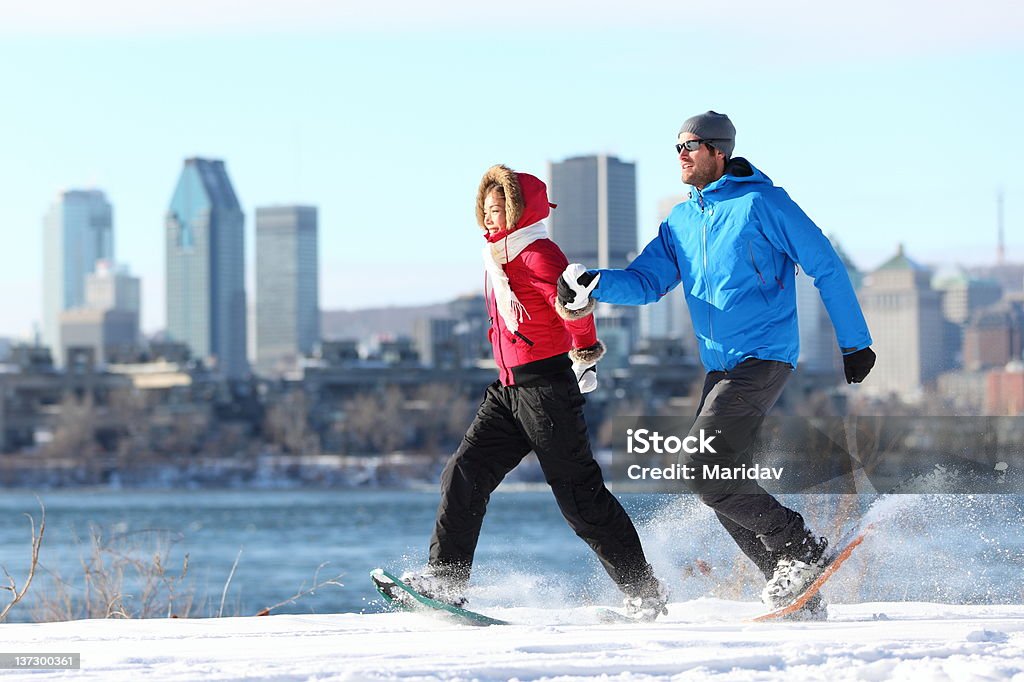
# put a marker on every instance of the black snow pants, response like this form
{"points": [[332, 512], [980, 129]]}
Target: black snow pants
{"points": [[735, 403], [545, 416]]}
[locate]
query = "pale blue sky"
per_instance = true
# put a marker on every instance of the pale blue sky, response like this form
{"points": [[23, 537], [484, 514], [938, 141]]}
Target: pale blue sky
{"points": [[886, 124]]}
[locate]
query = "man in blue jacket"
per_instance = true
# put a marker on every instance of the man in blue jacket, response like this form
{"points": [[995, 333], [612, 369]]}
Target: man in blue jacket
{"points": [[734, 246]]}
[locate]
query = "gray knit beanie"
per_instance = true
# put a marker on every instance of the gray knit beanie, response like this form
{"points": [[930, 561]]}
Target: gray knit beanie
{"points": [[716, 128]]}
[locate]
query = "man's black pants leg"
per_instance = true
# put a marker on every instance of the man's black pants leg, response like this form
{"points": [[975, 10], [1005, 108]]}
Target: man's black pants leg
{"points": [[735, 403]]}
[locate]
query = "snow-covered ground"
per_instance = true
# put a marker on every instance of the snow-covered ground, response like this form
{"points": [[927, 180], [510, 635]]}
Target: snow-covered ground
{"points": [[705, 638]]}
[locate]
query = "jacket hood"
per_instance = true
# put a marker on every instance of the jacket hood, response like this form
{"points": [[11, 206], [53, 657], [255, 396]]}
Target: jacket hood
{"points": [[526, 197], [738, 169]]}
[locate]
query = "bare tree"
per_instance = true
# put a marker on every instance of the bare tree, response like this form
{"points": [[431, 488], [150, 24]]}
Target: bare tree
{"points": [[128, 410], [185, 433], [16, 594], [74, 434], [377, 422], [442, 416], [122, 577], [287, 424]]}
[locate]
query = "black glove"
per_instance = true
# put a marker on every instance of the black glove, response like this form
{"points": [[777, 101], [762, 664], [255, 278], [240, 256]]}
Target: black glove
{"points": [[858, 364], [576, 282]]}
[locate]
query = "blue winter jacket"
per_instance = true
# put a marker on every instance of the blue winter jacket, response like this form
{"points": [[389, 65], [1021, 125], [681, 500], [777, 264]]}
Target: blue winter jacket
{"points": [[735, 246]]}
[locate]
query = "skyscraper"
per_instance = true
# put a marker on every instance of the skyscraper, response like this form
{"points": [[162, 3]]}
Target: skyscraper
{"points": [[287, 285], [77, 231], [595, 224], [206, 267], [904, 314]]}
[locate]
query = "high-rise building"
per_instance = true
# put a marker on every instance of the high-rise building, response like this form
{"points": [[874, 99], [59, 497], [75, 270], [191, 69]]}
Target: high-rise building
{"points": [[904, 314], [595, 221], [287, 286], [78, 230], [595, 224], [206, 306]]}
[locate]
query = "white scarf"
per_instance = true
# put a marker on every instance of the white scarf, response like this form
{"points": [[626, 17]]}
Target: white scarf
{"points": [[499, 253]]}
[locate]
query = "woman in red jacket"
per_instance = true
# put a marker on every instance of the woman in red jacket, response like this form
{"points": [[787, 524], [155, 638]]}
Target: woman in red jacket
{"points": [[544, 362]]}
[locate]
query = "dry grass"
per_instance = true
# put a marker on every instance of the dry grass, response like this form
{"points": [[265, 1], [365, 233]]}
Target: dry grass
{"points": [[123, 576], [16, 593]]}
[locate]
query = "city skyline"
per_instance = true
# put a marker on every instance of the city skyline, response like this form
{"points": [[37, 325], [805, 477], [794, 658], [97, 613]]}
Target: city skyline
{"points": [[253, 285], [911, 142]]}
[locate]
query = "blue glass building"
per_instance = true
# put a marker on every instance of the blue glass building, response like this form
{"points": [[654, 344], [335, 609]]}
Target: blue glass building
{"points": [[206, 303], [77, 231]]}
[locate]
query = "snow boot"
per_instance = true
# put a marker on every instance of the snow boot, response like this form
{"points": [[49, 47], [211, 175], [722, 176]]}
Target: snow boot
{"points": [[437, 587], [800, 565], [646, 601]]}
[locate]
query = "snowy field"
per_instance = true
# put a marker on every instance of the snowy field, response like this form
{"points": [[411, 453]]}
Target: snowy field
{"points": [[701, 639]]}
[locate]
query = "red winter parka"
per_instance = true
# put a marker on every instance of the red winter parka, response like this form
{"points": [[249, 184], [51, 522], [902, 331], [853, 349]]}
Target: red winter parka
{"points": [[544, 338]]}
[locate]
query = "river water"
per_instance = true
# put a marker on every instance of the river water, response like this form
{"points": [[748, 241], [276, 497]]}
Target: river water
{"points": [[946, 548]]}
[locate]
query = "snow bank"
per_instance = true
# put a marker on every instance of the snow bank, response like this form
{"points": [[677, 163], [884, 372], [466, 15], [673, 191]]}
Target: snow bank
{"points": [[704, 638]]}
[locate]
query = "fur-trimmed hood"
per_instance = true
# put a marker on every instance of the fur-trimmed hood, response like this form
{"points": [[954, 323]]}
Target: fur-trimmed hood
{"points": [[526, 197]]}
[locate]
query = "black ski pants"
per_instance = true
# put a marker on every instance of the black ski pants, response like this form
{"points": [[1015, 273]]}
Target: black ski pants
{"points": [[545, 416], [735, 402]]}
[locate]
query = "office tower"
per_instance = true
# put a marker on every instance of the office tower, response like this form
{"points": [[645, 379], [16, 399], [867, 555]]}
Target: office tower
{"points": [[904, 314], [77, 231], [287, 286], [595, 223], [206, 306]]}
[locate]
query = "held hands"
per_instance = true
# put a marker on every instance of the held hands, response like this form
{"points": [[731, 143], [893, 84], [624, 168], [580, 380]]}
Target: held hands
{"points": [[857, 365], [575, 286]]}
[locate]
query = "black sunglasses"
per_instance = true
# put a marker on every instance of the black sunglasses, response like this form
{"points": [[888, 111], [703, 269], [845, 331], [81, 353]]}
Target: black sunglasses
{"points": [[694, 145]]}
